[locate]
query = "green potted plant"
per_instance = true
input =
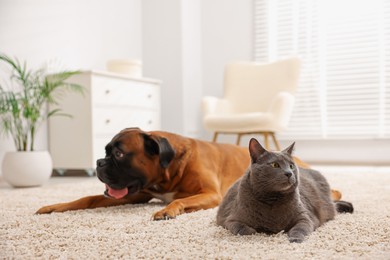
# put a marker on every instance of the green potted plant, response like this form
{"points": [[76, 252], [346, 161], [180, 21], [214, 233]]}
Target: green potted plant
{"points": [[23, 109]]}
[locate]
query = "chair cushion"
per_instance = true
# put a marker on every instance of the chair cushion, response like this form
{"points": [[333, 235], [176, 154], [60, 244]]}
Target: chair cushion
{"points": [[241, 123]]}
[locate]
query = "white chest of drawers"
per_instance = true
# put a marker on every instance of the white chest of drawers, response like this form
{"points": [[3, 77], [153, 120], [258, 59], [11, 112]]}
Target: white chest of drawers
{"points": [[111, 103]]}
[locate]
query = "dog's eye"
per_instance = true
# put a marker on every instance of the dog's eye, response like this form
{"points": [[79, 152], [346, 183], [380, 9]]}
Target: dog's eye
{"points": [[118, 154], [275, 165]]}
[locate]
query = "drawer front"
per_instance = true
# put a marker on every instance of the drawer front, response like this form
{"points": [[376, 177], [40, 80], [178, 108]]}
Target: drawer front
{"points": [[110, 121], [122, 92]]}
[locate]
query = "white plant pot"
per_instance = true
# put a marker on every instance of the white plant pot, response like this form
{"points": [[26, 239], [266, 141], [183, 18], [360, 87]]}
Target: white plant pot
{"points": [[26, 169]]}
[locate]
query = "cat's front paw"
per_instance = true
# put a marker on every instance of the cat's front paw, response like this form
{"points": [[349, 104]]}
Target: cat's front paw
{"points": [[246, 231], [296, 239], [241, 229]]}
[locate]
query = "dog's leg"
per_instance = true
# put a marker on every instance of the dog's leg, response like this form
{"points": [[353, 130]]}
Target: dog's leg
{"points": [[188, 204], [92, 202]]}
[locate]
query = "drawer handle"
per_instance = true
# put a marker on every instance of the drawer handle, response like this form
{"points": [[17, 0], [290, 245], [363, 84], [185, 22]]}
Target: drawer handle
{"points": [[107, 91], [150, 122], [107, 121], [150, 96]]}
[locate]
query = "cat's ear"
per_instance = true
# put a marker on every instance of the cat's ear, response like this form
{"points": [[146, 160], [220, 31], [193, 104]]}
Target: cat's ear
{"points": [[289, 149], [255, 149]]}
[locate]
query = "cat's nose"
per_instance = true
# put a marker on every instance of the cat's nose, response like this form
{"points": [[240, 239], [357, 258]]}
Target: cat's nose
{"points": [[288, 174]]}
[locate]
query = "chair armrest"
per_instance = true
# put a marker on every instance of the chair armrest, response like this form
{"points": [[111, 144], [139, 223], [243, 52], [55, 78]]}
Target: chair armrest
{"points": [[213, 105], [281, 107]]}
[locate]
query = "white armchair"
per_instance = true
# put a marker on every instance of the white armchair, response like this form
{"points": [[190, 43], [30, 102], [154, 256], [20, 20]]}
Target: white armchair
{"points": [[258, 99]]}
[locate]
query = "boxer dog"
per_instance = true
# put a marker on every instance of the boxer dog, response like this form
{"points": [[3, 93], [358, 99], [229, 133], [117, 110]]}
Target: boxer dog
{"points": [[185, 173]]}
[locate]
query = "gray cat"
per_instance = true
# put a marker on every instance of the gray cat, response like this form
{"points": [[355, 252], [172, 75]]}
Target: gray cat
{"points": [[274, 195]]}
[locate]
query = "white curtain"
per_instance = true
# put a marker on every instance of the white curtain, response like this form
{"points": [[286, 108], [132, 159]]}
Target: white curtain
{"points": [[344, 45]]}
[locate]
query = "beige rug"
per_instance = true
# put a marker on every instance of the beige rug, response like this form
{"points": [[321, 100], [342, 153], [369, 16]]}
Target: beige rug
{"points": [[127, 231]]}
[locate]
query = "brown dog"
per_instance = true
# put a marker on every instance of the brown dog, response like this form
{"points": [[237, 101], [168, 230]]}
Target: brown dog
{"points": [[186, 173]]}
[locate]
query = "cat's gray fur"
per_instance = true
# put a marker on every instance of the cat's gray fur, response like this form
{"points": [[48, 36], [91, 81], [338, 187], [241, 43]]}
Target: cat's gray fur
{"points": [[275, 195]]}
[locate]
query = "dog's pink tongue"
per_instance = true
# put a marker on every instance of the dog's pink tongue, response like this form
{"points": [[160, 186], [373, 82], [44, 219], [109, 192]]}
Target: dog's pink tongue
{"points": [[118, 194]]}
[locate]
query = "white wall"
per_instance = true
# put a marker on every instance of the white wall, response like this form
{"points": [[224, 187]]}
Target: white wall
{"points": [[226, 36], [172, 53], [186, 44], [80, 34], [192, 66], [71, 33], [162, 48]]}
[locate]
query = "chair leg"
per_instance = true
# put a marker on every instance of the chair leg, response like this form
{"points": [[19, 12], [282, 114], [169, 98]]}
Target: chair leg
{"points": [[215, 137], [275, 141], [238, 139], [266, 143]]}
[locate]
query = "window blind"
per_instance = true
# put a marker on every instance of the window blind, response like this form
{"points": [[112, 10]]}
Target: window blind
{"points": [[344, 46]]}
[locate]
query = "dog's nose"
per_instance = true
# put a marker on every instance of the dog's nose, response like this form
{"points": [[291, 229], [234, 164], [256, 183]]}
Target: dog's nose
{"points": [[101, 162]]}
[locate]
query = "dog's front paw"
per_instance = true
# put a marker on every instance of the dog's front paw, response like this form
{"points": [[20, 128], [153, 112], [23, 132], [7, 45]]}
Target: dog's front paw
{"points": [[61, 207], [169, 212], [162, 215]]}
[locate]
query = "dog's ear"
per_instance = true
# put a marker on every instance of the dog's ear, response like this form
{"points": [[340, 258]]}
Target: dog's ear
{"points": [[166, 152], [156, 145]]}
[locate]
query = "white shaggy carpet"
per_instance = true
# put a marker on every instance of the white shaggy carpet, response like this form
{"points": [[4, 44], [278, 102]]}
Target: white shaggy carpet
{"points": [[127, 231]]}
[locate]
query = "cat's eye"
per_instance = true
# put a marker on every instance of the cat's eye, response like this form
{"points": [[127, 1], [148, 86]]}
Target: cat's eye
{"points": [[291, 166], [275, 165]]}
